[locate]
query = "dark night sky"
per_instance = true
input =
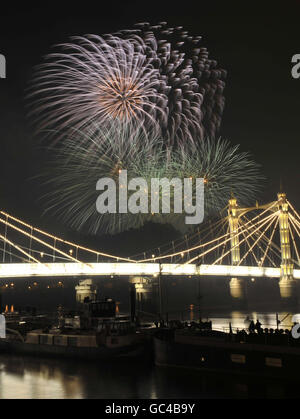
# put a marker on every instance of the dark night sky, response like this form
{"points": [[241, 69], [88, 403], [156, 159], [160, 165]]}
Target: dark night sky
{"points": [[254, 43]]}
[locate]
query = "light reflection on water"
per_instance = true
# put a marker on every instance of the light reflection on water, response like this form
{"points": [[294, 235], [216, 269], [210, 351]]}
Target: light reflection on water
{"points": [[239, 320], [31, 378]]}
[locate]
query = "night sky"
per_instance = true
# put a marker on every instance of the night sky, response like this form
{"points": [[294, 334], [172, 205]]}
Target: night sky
{"points": [[254, 43]]}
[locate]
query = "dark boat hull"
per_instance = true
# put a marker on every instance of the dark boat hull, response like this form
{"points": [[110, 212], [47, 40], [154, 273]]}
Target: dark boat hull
{"points": [[205, 354], [100, 353]]}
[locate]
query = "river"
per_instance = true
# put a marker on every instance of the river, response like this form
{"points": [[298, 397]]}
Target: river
{"points": [[41, 378]]}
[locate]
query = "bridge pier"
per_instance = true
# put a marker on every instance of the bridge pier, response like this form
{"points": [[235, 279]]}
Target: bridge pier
{"points": [[85, 289], [143, 287], [143, 290]]}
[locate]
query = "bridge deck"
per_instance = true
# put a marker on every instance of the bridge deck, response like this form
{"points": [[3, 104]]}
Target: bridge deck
{"points": [[22, 270]]}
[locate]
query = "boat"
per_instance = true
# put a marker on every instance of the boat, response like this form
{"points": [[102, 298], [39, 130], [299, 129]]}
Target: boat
{"points": [[96, 332], [271, 353]]}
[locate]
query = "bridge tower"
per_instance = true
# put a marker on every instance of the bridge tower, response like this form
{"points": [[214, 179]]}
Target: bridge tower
{"points": [[237, 285], [287, 281]]}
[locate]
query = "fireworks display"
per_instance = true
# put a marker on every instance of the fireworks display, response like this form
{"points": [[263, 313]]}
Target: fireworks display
{"points": [[225, 171], [77, 168], [147, 100], [154, 76], [191, 81]]}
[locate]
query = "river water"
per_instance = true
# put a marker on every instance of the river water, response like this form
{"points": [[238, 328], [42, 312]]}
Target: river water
{"points": [[31, 378], [40, 378]]}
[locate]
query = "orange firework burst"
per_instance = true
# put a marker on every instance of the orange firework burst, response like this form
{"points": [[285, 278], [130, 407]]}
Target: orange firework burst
{"points": [[121, 98]]}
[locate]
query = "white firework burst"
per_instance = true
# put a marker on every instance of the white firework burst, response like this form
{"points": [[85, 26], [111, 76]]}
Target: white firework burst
{"points": [[156, 77], [94, 82]]}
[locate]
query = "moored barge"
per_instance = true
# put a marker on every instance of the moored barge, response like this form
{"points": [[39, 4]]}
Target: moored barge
{"points": [[276, 355]]}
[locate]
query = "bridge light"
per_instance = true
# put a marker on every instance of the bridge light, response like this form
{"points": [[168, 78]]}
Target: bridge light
{"points": [[71, 252], [253, 279], [42, 254]]}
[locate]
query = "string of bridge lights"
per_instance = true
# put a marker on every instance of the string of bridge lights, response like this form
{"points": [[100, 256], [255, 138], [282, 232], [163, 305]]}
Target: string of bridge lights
{"points": [[56, 239], [248, 230], [184, 252]]}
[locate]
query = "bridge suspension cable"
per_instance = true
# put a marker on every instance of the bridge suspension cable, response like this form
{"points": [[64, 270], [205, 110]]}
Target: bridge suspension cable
{"points": [[58, 239], [201, 245], [212, 244], [263, 222]]}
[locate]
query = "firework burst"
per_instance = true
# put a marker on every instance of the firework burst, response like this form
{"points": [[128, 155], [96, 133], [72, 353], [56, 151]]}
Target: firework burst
{"points": [[83, 159], [81, 162], [152, 76], [95, 81], [192, 82], [225, 171], [147, 100]]}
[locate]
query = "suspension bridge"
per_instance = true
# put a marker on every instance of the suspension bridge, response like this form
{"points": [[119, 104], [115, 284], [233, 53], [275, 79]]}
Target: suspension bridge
{"points": [[260, 241]]}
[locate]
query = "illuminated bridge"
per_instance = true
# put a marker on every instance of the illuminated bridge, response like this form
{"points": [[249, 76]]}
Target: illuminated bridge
{"points": [[260, 241]]}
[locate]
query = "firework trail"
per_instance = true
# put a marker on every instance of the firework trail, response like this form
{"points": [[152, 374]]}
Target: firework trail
{"points": [[225, 171], [95, 81], [152, 76], [79, 165], [76, 167], [147, 100], [192, 82]]}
